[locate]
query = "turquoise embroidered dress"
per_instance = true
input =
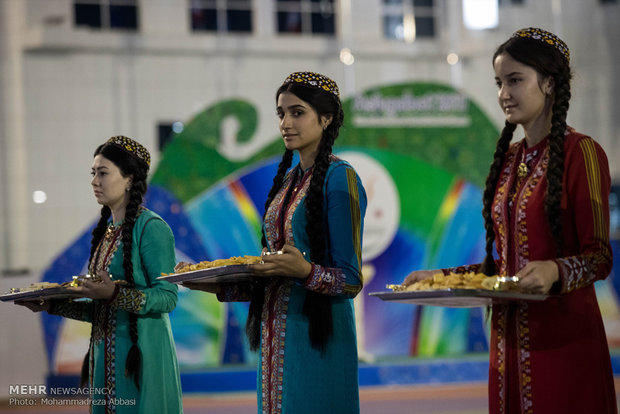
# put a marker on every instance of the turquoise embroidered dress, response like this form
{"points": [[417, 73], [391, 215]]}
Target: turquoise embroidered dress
{"points": [[293, 377], [151, 300]]}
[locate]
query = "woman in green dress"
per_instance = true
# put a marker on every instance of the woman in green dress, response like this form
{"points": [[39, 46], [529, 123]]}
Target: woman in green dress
{"points": [[131, 366]]}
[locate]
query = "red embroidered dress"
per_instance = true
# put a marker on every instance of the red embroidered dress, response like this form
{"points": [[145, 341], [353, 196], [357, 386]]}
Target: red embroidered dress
{"points": [[552, 357]]}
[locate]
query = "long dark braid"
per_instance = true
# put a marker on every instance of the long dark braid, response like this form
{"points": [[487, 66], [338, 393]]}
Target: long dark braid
{"points": [[317, 307], [548, 61], [252, 327], [99, 231], [488, 266], [134, 357], [555, 169], [285, 164], [97, 235]]}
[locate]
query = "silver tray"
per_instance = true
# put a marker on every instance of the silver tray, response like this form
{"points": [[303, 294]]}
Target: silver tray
{"points": [[457, 298], [220, 274], [59, 292]]}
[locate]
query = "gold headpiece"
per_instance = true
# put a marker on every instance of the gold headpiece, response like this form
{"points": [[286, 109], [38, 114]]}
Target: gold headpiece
{"points": [[132, 147], [546, 37], [315, 80]]}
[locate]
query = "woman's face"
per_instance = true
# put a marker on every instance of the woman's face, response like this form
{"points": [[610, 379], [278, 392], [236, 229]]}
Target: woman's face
{"points": [[108, 183], [300, 125], [524, 97]]}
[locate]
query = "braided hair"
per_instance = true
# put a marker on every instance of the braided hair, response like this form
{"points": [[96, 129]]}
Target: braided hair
{"points": [[548, 61], [128, 165], [317, 306]]}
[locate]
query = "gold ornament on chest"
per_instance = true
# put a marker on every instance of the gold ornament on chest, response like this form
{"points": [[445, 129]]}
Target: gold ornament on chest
{"points": [[522, 170]]}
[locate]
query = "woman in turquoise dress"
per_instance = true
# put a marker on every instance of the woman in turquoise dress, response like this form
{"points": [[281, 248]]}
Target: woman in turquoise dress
{"points": [[301, 316], [131, 366]]}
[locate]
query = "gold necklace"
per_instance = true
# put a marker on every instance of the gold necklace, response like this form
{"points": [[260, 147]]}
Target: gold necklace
{"points": [[523, 169], [112, 229]]}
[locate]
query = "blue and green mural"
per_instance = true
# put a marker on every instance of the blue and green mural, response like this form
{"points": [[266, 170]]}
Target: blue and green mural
{"points": [[422, 151]]}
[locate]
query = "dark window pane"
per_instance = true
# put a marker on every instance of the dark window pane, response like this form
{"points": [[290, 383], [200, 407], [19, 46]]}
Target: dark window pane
{"points": [[204, 19], [393, 27], [124, 17], [425, 26], [239, 20], [323, 1], [392, 1], [289, 22], [164, 135], [87, 15], [322, 23], [289, 1], [423, 3]]}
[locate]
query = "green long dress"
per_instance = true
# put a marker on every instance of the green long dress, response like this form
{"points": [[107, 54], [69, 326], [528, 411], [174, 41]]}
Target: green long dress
{"points": [[152, 300]]}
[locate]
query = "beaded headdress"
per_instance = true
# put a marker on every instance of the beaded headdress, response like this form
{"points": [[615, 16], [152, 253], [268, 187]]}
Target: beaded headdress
{"points": [[546, 37], [315, 80], [131, 147]]}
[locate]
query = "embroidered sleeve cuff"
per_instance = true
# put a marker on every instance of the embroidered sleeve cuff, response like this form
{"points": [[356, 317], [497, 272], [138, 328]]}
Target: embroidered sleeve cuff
{"points": [[129, 299], [574, 273], [329, 281]]}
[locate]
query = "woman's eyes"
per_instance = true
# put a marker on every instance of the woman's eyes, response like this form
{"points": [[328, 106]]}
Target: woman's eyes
{"points": [[294, 114], [511, 81]]}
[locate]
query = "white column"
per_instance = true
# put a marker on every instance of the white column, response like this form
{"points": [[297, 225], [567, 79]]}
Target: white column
{"points": [[455, 17], [14, 203], [347, 89], [556, 12]]}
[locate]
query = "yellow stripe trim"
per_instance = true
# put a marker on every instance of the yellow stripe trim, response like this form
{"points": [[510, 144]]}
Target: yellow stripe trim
{"points": [[594, 185], [356, 220]]}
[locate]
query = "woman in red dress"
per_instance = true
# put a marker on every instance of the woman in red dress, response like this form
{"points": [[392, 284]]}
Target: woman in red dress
{"points": [[546, 209]]}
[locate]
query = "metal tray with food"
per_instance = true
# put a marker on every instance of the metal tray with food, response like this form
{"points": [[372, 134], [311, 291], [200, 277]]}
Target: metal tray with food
{"points": [[58, 292], [220, 274], [51, 290], [457, 298]]}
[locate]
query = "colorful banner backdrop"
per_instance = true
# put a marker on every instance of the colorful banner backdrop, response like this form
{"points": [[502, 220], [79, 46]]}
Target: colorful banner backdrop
{"points": [[422, 151]]}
